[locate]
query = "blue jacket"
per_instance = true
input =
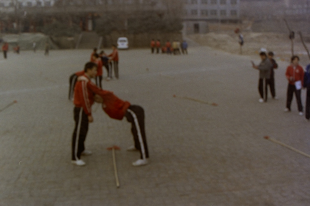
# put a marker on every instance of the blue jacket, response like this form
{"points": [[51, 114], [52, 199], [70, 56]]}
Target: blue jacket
{"points": [[184, 45], [307, 77]]}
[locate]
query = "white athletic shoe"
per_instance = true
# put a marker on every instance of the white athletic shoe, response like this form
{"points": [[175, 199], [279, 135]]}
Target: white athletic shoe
{"points": [[78, 162], [300, 113], [131, 148], [261, 100], [286, 110], [87, 153], [139, 162], [108, 78], [276, 98]]}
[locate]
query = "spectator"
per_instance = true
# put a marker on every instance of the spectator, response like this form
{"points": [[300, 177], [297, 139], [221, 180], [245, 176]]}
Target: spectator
{"points": [[157, 46], [295, 76], [272, 82], [5, 49], [307, 85], [152, 46], [184, 47]]}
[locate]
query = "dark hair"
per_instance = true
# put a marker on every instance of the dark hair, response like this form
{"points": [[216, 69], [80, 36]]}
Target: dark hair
{"points": [[96, 55], [89, 65], [294, 57], [95, 49], [270, 53], [114, 45], [263, 54], [101, 52]]}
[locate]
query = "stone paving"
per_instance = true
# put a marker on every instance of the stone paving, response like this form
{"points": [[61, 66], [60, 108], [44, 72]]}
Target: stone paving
{"points": [[199, 154]]}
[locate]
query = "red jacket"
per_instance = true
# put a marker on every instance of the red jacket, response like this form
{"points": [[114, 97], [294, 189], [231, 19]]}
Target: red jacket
{"points": [[152, 44], [91, 57], [5, 47], [80, 73], [114, 55], [113, 106], [158, 44], [99, 68], [297, 74], [84, 92]]}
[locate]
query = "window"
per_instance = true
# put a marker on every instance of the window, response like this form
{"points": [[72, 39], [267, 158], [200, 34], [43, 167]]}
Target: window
{"points": [[194, 12], [233, 2], [29, 4], [39, 3], [204, 1], [194, 1], [47, 3], [11, 4], [233, 13], [213, 1], [204, 12], [213, 12], [222, 2], [223, 13]]}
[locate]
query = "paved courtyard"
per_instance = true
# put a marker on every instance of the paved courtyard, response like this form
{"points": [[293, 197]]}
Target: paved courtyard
{"points": [[200, 155]]}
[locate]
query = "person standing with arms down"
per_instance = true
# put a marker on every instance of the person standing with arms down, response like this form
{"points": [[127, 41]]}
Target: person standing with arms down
{"points": [[99, 71], [5, 48], [84, 93], [272, 81], [34, 46], [157, 46], [295, 76], [168, 47], [152, 46], [264, 76], [47, 49], [307, 85], [114, 59], [184, 47], [117, 109], [92, 54]]}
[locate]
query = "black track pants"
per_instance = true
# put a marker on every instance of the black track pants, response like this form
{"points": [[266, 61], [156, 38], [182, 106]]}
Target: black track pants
{"points": [[135, 115], [79, 133]]}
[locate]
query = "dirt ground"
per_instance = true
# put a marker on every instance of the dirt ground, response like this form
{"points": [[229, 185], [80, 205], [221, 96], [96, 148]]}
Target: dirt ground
{"points": [[279, 43]]}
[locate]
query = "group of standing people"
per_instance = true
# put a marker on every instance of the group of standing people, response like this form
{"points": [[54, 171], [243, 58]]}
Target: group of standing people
{"points": [[176, 47], [296, 76]]}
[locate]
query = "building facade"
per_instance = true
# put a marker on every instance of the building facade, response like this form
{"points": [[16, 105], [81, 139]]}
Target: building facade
{"points": [[199, 13]]}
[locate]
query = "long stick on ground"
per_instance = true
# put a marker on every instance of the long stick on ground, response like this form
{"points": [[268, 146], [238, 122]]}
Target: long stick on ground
{"points": [[196, 100], [114, 163], [7, 106], [287, 146], [303, 42]]}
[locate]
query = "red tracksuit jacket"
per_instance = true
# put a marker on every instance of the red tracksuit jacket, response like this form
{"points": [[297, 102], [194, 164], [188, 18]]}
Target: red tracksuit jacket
{"points": [[99, 67], [297, 74], [114, 55], [80, 73], [113, 106], [84, 92]]}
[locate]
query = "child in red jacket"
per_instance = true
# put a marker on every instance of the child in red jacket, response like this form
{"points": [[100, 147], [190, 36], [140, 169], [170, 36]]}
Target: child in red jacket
{"points": [[117, 109], [295, 76]]}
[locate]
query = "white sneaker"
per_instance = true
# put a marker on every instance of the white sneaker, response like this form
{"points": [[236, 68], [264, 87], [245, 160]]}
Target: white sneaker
{"points": [[276, 98], [108, 78], [300, 113], [131, 148], [78, 162], [261, 100], [87, 153], [139, 162], [286, 110]]}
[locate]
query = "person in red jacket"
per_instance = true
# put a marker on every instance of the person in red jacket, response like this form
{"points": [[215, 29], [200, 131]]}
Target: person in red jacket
{"points": [[114, 59], [84, 92], [295, 76], [157, 46], [92, 54], [72, 82], [5, 49], [118, 109], [152, 45], [98, 78], [168, 47]]}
